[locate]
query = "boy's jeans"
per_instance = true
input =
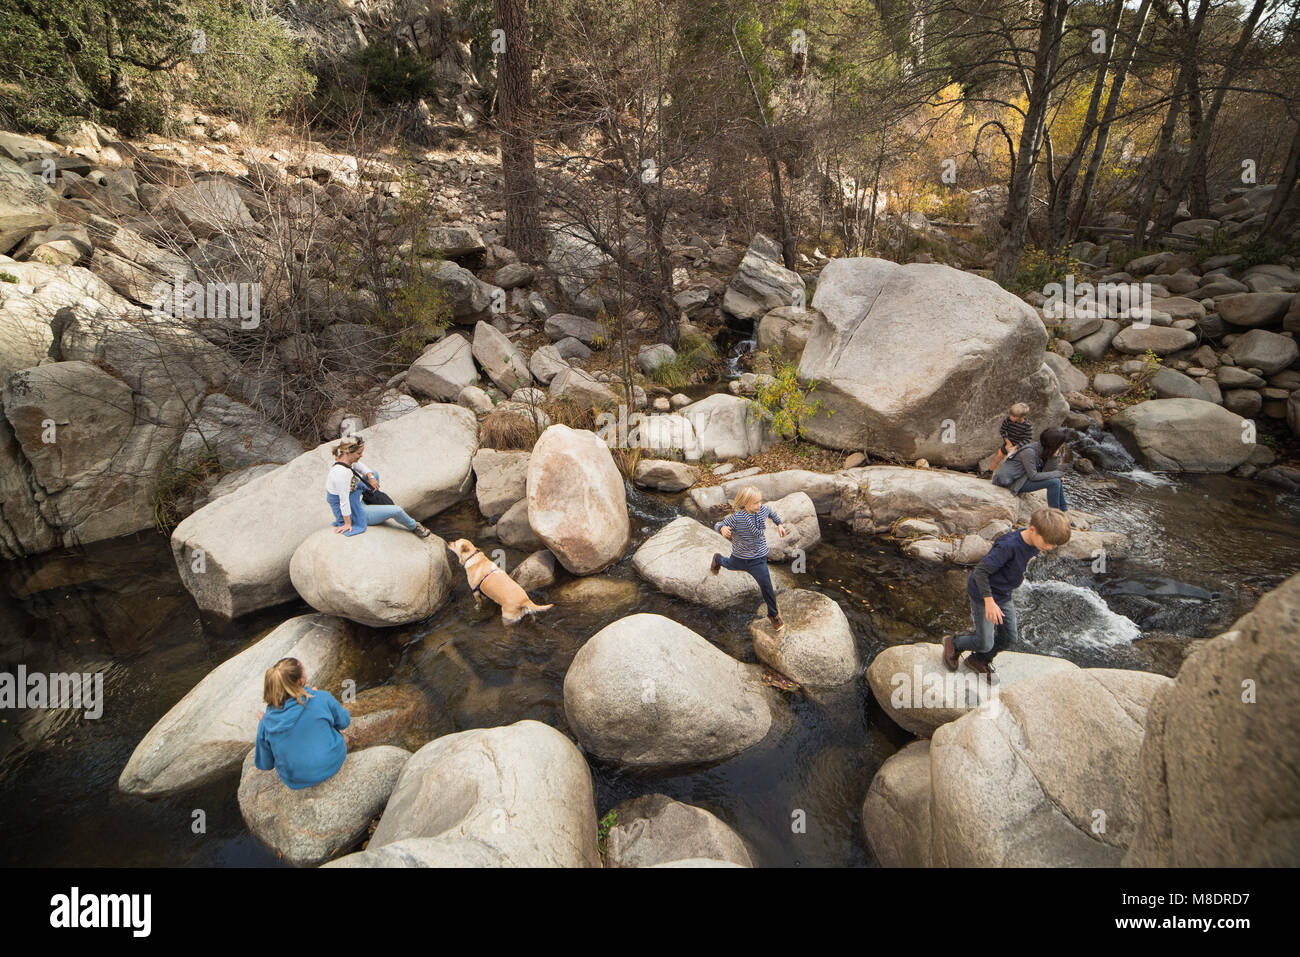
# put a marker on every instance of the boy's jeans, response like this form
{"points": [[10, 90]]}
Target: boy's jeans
{"points": [[988, 639], [758, 568], [1055, 491], [375, 514]]}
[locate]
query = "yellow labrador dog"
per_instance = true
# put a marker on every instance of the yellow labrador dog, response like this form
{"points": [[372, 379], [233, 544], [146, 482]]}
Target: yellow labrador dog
{"points": [[486, 578]]}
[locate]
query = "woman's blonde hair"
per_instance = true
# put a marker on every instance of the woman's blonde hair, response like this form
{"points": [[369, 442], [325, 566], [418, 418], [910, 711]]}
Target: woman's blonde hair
{"points": [[284, 681], [747, 495], [347, 445]]}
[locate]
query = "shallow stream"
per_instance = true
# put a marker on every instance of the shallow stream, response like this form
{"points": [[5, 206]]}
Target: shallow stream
{"points": [[1205, 549]]}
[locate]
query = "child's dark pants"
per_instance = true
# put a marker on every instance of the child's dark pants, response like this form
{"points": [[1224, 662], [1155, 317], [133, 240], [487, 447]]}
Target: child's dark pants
{"points": [[758, 568]]}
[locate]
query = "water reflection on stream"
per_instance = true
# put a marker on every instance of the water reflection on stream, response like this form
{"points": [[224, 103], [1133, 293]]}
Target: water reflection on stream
{"points": [[1205, 549]]}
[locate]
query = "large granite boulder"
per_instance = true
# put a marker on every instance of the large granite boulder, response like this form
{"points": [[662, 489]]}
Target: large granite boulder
{"points": [[1269, 352], [582, 387], [237, 435], [915, 688], [663, 475], [873, 498], [1217, 783], [233, 554], [1137, 340], [1021, 787], [307, 827], [784, 332], [922, 361], [726, 427], [1183, 435], [762, 283], [500, 358], [676, 560], [802, 530], [500, 480], [1018, 782], [383, 577], [520, 796], [817, 648], [654, 829], [207, 733], [822, 488], [577, 504], [648, 692], [90, 436], [25, 205], [443, 370], [1252, 309], [896, 812]]}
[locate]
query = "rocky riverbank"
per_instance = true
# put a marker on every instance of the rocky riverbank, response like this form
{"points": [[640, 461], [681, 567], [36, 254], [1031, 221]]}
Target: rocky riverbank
{"points": [[106, 395]]}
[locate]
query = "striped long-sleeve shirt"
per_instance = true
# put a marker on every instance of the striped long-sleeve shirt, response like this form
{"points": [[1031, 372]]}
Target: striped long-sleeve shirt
{"points": [[749, 531]]}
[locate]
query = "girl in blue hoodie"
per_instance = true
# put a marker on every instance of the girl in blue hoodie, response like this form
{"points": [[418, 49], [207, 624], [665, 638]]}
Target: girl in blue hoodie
{"points": [[299, 731]]}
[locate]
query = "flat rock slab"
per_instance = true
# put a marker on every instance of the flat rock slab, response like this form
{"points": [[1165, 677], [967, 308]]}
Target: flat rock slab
{"points": [[654, 829], [233, 554], [915, 688]]}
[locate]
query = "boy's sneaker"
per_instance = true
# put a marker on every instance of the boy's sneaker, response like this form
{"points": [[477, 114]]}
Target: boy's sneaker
{"points": [[778, 624], [715, 564], [978, 666], [949, 653], [421, 531]]}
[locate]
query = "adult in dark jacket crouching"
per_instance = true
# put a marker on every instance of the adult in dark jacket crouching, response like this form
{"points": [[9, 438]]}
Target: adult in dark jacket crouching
{"points": [[1036, 467]]}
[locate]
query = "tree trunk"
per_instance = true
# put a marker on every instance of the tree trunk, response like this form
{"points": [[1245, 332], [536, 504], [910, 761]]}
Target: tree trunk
{"points": [[1015, 219], [518, 161], [1200, 145], [1059, 208], [773, 163], [1282, 212], [1108, 117], [1198, 203]]}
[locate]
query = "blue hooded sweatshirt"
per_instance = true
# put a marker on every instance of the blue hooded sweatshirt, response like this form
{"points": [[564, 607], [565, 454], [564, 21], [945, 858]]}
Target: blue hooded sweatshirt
{"points": [[303, 744]]}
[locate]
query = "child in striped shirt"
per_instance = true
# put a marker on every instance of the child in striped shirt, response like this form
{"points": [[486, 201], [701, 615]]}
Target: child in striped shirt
{"points": [[1016, 432], [746, 528]]}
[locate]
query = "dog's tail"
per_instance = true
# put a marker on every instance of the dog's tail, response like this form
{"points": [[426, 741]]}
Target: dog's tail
{"points": [[533, 608]]}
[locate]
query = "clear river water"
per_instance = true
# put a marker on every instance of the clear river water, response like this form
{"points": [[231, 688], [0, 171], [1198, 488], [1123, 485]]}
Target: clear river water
{"points": [[1204, 549]]}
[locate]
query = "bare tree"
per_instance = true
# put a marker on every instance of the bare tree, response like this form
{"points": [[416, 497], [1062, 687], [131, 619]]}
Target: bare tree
{"points": [[518, 162]]}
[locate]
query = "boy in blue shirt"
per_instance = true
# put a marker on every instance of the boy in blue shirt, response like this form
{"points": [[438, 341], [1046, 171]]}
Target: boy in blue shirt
{"points": [[991, 586]]}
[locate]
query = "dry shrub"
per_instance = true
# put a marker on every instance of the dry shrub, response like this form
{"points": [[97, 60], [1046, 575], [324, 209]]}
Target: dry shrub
{"points": [[507, 431], [564, 411], [625, 460]]}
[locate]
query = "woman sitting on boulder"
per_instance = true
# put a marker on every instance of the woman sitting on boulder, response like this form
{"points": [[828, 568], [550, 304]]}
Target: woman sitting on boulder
{"points": [[1034, 466], [348, 481], [298, 734]]}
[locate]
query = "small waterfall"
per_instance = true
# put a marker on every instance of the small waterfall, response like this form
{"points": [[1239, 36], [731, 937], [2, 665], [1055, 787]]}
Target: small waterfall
{"points": [[1056, 615], [741, 348], [1103, 450], [652, 512]]}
